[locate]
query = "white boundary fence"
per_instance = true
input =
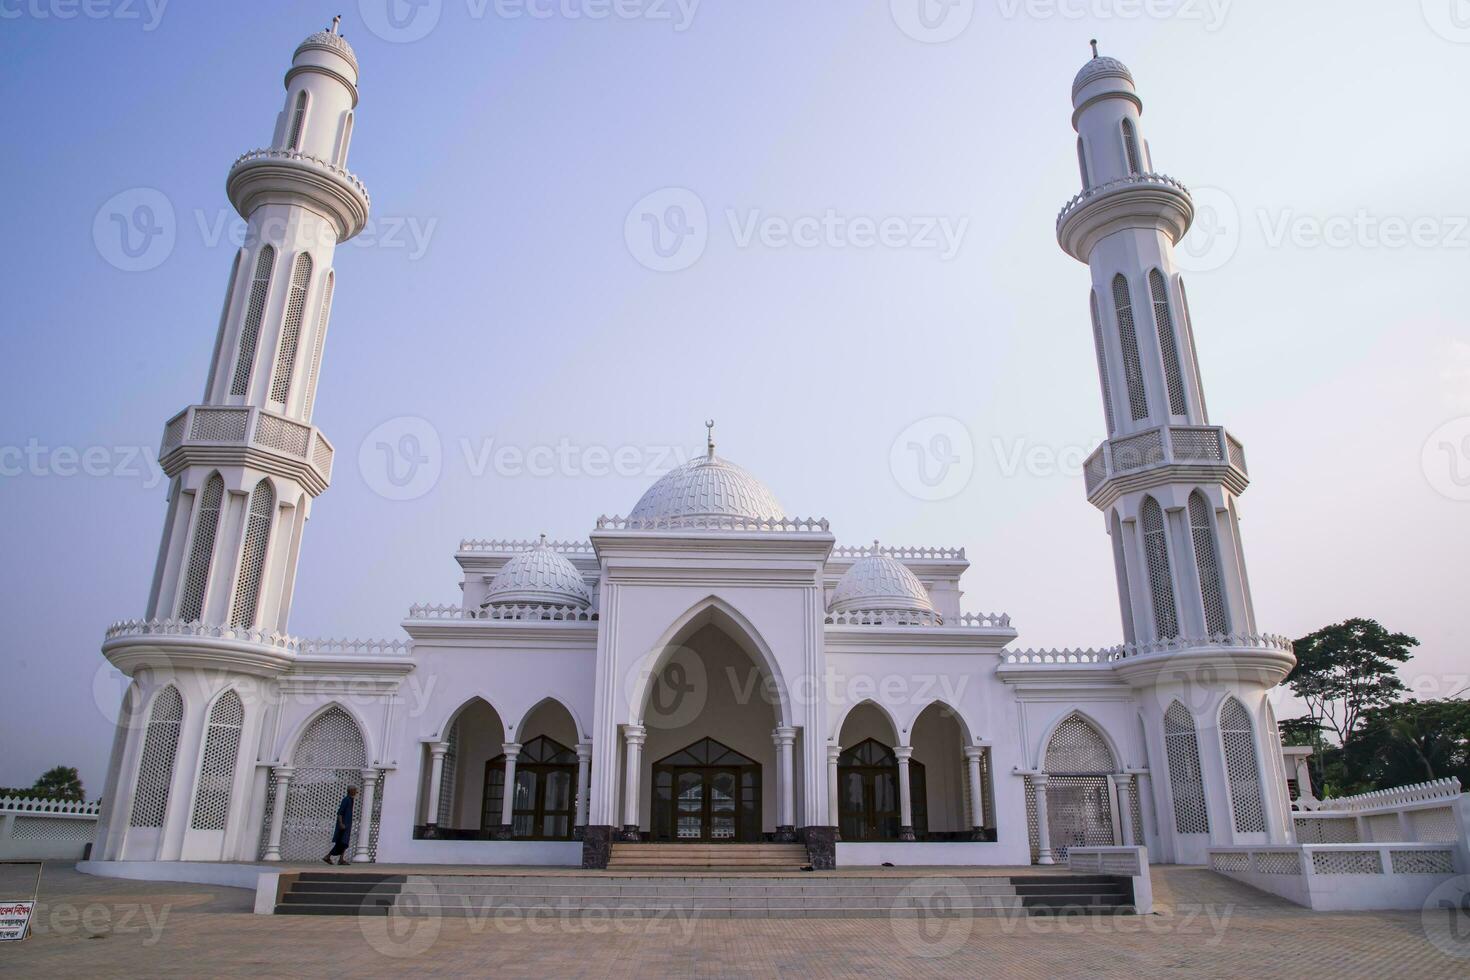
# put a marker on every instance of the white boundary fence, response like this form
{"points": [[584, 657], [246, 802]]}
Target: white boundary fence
{"points": [[53, 830]]}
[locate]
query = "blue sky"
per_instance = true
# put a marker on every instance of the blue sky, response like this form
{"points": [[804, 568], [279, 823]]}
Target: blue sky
{"points": [[498, 299]]}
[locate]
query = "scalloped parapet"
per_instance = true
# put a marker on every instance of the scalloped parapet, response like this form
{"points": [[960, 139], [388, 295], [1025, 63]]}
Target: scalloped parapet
{"points": [[1149, 200], [794, 525], [275, 175], [1126, 651], [284, 642], [917, 617], [521, 613], [1432, 791], [901, 553], [514, 546], [37, 804]]}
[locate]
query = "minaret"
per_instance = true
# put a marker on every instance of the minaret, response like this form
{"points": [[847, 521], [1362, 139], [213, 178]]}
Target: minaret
{"points": [[246, 462], [1165, 478]]}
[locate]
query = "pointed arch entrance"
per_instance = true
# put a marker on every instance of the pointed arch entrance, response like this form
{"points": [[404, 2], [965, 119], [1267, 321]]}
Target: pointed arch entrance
{"points": [[1075, 793], [708, 793]]}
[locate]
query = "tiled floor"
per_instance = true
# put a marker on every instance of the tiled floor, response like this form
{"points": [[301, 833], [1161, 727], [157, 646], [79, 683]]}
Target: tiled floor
{"points": [[1206, 926]]}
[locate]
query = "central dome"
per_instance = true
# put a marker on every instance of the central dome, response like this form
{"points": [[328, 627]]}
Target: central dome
{"points": [[538, 577], [707, 487], [878, 583]]}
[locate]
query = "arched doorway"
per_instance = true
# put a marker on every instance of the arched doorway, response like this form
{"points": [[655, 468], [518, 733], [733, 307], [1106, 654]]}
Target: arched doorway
{"points": [[868, 805], [473, 735], [706, 792], [1081, 808], [544, 801], [329, 758]]}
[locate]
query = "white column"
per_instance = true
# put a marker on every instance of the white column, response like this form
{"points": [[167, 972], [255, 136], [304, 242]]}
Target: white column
{"points": [[977, 790], [1121, 783], [785, 739], [584, 782], [833, 790], [905, 804], [512, 751], [436, 782], [278, 812], [1148, 832], [1039, 781], [1304, 781], [365, 830], [633, 736]]}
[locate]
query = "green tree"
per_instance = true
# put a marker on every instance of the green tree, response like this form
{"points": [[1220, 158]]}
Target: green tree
{"points": [[61, 783], [1347, 668], [1411, 742]]}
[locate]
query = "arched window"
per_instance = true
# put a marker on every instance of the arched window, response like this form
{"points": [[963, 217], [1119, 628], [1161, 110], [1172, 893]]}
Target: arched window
{"points": [[252, 555], [346, 139], [1186, 779], [201, 550], [1130, 147], [1102, 365], [1164, 322], [1188, 324], [1128, 341], [321, 339], [291, 329], [1082, 164], [217, 764], [1242, 769], [298, 122], [1160, 581], [156, 767], [1207, 561], [254, 314], [545, 791]]}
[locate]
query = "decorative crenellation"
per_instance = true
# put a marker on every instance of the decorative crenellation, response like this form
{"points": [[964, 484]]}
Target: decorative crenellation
{"points": [[728, 522], [1124, 651], [1132, 180], [1164, 445], [860, 551], [296, 156], [37, 804], [517, 612], [300, 646], [498, 545], [916, 617], [1434, 790]]}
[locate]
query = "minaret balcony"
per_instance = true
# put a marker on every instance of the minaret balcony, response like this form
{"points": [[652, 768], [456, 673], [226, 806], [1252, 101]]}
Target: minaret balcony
{"points": [[1166, 454], [215, 435], [1154, 201], [278, 176]]}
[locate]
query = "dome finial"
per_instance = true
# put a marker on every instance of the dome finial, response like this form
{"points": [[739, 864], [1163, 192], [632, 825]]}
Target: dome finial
{"points": [[543, 539], [1093, 42], [336, 21], [709, 437], [876, 549]]}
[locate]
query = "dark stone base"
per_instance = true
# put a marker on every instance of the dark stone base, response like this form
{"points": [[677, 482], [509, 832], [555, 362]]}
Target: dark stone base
{"points": [[786, 835], [986, 834], [578, 833], [431, 831], [500, 832], [821, 847], [597, 847], [906, 834], [630, 832]]}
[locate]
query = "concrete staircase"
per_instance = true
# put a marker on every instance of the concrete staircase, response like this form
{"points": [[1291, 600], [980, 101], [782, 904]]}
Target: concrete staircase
{"points": [[710, 895], [759, 857]]}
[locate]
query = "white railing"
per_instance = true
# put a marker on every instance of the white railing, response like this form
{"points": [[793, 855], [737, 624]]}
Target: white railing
{"points": [[235, 426], [515, 546], [300, 646], [807, 525], [516, 612], [941, 554], [1129, 862], [1164, 444], [38, 829], [1132, 180], [1438, 790], [296, 156], [916, 617], [1337, 877], [1107, 655], [1433, 812], [1048, 658]]}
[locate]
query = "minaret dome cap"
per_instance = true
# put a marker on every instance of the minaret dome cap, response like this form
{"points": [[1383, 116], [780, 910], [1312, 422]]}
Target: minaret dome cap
{"points": [[1110, 71], [328, 41]]}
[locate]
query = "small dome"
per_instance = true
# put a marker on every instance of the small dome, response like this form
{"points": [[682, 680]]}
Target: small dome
{"points": [[707, 487], [538, 577], [328, 41], [878, 583], [1101, 67]]}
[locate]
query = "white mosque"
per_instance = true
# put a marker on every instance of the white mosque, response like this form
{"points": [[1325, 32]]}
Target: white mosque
{"points": [[710, 668]]}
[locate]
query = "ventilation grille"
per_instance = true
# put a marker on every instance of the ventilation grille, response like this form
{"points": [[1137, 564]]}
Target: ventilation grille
{"points": [[1241, 768], [254, 314], [217, 767], [1130, 146], [1207, 560], [282, 435], [1077, 747], [1186, 781], [156, 768], [201, 551], [448, 776], [1128, 340], [1173, 375], [219, 424], [1160, 581], [252, 555], [291, 329], [298, 119]]}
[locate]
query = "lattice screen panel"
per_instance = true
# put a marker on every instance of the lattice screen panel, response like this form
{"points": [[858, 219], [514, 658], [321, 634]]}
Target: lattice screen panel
{"points": [[1173, 375], [329, 758], [1186, 780], [450, 774], [1242, 768], [1160, 580], [1077, 747], [53, 829], [201, 550], [1128, 340], [1079, 813], [252, 554], [156, 767], [1279, 863], [217, 765], [1195, 443], [291, 329], [1384, 827], [1422, 862], [282, 434], [1207, 561], [219, 424], [1434, 826], [1347, 863], [254, 315]]}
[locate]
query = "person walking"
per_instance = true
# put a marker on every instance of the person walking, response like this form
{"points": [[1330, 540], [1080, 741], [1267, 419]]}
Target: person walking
{"points": [[342, 830]]}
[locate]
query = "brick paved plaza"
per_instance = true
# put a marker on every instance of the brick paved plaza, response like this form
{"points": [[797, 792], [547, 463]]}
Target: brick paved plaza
{"points": [[1206, 926]]}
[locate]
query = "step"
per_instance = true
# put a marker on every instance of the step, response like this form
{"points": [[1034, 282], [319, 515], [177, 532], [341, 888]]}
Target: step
{"points": [[593, 890]]}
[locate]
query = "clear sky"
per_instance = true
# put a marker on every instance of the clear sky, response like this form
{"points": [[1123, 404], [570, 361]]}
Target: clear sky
{"points": [[511, 293]]}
